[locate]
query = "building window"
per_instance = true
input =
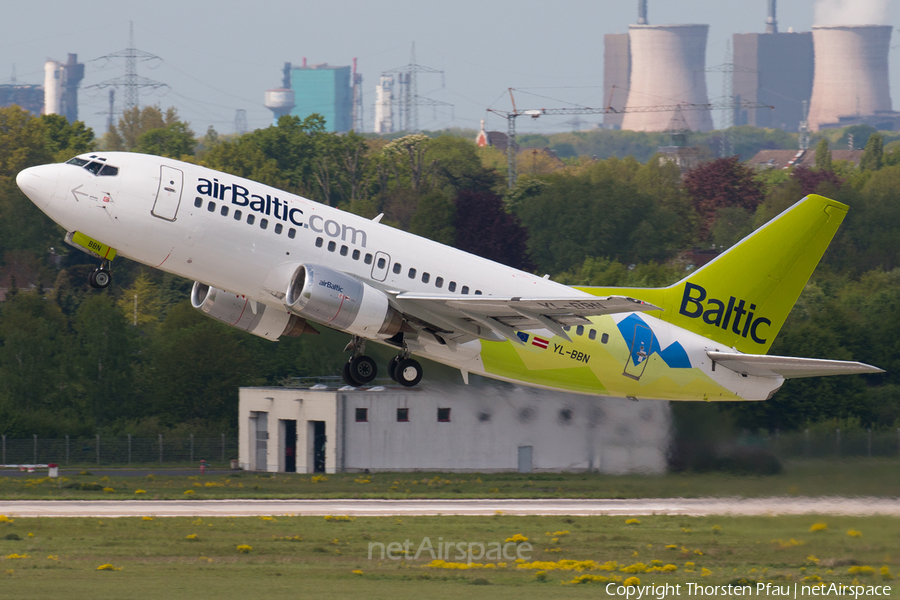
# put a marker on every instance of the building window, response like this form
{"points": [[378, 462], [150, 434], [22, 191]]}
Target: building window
{"points": [[443, 415], [362, 415], [198, 202], [224, 211], [403, 415]]}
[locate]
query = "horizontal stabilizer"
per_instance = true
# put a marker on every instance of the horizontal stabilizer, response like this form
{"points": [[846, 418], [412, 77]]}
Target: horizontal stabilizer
{"points": [[494, 306], [789, 367]]}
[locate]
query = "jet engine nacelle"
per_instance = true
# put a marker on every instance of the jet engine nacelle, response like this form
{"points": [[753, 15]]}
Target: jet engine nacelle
{"points": [[240, 312], [342, 302]]}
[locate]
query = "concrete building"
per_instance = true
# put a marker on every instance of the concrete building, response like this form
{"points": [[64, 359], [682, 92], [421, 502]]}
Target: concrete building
{"points": [[61, 81], [851, 82], [29, 97], [774, 69], [483, 428], [668, 66], [325, 90], [384, 105]]}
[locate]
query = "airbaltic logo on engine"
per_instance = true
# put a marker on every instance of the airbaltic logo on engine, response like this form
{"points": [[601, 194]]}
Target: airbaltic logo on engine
{"points": [[241, 196], [720, 315], [331, 286]]}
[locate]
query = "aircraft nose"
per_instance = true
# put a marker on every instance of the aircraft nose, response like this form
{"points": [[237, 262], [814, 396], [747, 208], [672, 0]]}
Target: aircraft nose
{"points": [[39, 183]]}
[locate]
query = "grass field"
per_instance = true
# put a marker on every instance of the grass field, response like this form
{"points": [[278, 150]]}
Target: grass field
{"points": [[856, 477], [328, 557]]}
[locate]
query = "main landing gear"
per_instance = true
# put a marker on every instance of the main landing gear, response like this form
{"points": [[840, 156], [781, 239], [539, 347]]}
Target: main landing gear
{"points": [[100, 277], [361, 369]]}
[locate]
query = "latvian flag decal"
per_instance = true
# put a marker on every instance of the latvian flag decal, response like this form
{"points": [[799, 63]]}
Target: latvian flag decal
{"points": [[540, 342]]}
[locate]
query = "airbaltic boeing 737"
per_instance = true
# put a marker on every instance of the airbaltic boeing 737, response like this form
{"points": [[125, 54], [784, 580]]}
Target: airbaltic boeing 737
{"points": [[275, 264]]}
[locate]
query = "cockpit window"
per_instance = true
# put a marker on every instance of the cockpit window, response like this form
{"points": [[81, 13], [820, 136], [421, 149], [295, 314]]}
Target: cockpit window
{"points": [[97, 168]]}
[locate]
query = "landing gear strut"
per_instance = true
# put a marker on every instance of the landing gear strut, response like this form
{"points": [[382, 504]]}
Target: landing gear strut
{"points": [[360, 369], [100, 277]]}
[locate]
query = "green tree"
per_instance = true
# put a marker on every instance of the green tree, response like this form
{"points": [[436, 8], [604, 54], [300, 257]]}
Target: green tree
{"points": [[141, 302], [823, 155], [64, 140], [434, 218], [873, 154], [175, 140]]}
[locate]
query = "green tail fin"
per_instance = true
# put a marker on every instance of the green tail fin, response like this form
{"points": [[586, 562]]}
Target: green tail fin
{"points": [[742, 298]]}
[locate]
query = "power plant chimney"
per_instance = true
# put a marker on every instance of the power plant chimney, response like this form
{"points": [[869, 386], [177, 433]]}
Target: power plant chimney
{"points": [[668, 66], [771, 22], [851, 72], [642, 12]]}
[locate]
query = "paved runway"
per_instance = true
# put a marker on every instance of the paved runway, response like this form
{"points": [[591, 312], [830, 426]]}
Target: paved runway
{"points": [[477, 507]]}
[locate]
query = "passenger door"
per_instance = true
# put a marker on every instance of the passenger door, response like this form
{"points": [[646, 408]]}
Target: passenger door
{"points": [[168, 196]]}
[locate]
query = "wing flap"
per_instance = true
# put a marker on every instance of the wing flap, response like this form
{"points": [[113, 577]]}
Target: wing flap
{"points": [[789, 367]]}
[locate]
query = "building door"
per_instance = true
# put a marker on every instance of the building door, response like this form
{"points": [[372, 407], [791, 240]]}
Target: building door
{"points": [[315, 462], [262, 441], [641, 343], [380, 266], [290, 446], [525, 465], [168, 196]]}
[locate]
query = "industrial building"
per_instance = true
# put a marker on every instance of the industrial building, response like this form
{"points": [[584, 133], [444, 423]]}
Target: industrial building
{"points": [[29, 97], [61, 81], [616, 74], [851, 83], [485, 429], [320, 89], [384, 105]]}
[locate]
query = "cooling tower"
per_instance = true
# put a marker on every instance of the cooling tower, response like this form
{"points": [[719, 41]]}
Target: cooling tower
{"points": [[668, 66], [851, 72], [54, 80]]}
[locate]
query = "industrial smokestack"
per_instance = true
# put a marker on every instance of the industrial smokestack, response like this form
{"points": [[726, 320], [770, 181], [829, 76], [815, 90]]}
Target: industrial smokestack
{"points": [[642, 12], [771, 22], [851, 72], [54, 80], [668, 66]]}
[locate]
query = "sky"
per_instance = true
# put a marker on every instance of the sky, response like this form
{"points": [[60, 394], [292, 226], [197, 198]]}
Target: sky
{"points": [[217, 57]]}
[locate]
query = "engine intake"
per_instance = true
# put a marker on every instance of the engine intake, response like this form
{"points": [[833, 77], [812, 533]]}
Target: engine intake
{"points": [[237, 311], [342, 302]]}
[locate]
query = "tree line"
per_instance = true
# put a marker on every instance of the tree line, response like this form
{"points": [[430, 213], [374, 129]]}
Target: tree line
{"points": [[137, 357]]}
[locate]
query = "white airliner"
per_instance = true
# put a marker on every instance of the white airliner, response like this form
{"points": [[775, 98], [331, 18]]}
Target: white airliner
{"points": [[274, 264]]}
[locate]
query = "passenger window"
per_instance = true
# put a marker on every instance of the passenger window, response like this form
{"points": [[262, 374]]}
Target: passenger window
{"points": [[344, 250], [211, 207], [465, 289], [381, 263], [477, 292], [224, 211], [198, 202], [278, 228], [439, 282], [356, 255], [397, 268], [368, 259], [109, 171], [319, 242], [237, 215], [592, 334], [251, 219], [579, 330], [263, 223], [412, 273], [292, 233], [425, 277], [604, 338], [331, 246], [452, 286]]}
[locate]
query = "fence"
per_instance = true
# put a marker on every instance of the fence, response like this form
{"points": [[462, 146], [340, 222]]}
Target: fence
{"points": [[128, 451], [828, 444]]}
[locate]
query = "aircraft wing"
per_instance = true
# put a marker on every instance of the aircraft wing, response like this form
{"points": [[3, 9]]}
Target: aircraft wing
{"points": [[763, 365], [493, 318]]}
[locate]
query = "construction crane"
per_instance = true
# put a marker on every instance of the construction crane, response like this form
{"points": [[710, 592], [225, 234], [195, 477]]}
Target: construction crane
{"points": [[512, 115]]}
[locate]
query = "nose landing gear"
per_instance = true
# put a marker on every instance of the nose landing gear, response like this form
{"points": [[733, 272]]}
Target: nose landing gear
{"points": [[100, 277]]}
